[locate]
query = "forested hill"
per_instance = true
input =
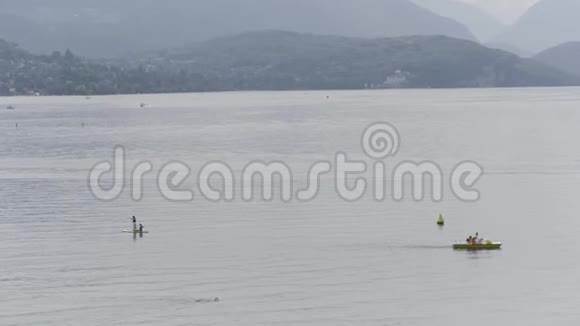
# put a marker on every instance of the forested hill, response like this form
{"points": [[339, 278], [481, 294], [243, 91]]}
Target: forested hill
{"points": [[284, 60], [23, 73], [274, 60]]}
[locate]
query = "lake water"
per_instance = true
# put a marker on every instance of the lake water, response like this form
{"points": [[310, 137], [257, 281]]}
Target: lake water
{"points": [[64, 260]]}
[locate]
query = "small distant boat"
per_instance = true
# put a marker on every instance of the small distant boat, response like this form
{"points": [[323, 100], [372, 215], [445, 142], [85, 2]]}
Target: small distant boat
{"points": [[483, 246], [10, 107], [208, 300]]}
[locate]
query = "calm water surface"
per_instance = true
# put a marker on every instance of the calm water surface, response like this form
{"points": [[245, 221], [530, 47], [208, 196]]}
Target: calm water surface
{"points": [[64, 261]]}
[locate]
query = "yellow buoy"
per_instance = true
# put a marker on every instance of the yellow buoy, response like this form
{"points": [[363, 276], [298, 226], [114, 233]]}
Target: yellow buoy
{"points": [[440, 220]]}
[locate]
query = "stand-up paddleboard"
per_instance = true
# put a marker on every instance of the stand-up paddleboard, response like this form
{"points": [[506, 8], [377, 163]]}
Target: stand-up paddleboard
{"points": [[134, 232]]}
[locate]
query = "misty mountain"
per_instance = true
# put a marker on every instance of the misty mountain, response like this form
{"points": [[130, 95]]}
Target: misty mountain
{"points": [[509, 48], [507, 11], [565, 57], [113, 27], [483, 25], [546, 24]]}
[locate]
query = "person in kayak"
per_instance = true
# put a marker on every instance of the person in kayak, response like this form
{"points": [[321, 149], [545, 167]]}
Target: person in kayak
{"points": [[141, 228], [473, 240], [477, 240]]}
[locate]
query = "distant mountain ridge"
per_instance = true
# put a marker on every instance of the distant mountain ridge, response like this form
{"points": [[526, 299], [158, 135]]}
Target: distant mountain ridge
{"points": [[507, 11], [118, 27], [546, 24], [565, 57], [482, 24]]}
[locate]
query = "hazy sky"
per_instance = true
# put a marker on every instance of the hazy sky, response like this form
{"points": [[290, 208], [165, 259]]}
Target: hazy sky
{"points": [[506, 10]]}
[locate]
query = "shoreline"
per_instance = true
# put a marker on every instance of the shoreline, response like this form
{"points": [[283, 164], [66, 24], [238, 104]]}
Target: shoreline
{"points": [[89, 97]]}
